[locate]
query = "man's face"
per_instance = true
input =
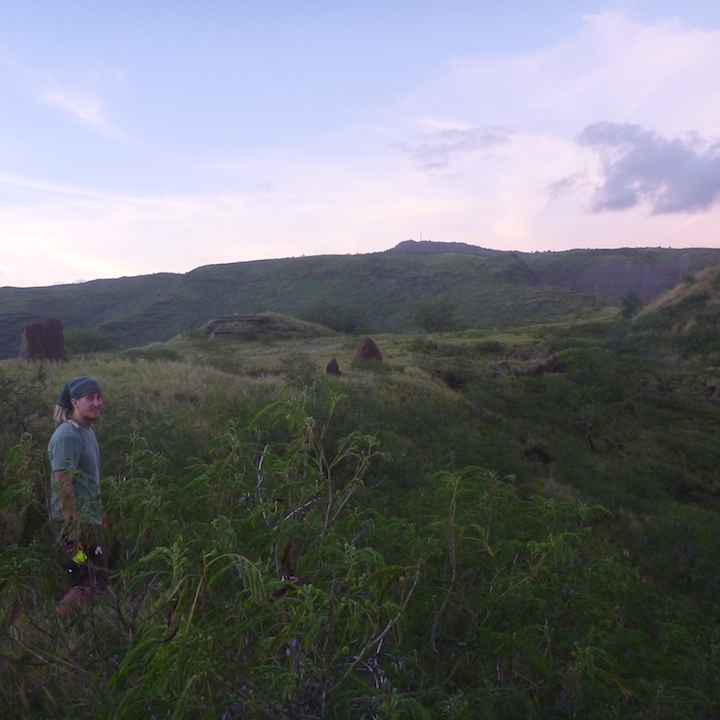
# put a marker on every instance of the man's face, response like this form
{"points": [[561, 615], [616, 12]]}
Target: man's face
{"points": [[87, 409]]}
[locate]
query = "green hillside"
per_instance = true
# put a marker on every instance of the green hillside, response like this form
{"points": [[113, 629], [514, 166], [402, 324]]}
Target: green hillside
{"points": [[610, 274], [381, 292]]}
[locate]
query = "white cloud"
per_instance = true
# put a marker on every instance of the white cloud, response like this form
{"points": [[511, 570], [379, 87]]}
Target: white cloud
{"points": [[615, 69], [78, 98], [671, 175], [80, 105], [434, 151]]}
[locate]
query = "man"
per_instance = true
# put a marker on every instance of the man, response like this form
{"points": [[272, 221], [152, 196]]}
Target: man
{"points": [[75, 489]]}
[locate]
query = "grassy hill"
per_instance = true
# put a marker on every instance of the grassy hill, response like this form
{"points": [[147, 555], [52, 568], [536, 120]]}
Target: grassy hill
{"points": [[684, 323], [381, 292]]}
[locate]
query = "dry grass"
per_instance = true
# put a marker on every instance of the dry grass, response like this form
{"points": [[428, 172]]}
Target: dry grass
{"points": [[703, 281], [152, 384]]}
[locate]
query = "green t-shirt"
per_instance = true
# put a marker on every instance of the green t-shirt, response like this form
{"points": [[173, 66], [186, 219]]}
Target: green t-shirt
{"points": [[74, 449]]}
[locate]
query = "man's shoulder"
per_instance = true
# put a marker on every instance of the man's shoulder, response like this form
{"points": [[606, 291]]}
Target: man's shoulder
{"points": [[66, 428], [71, 429]]}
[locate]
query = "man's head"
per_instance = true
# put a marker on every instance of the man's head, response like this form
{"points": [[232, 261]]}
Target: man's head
{"points": [[81, 399]]}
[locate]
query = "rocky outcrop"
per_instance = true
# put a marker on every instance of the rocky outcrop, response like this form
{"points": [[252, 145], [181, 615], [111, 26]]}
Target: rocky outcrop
{"points": [[333, 368], [367, 351], [43, 341]]}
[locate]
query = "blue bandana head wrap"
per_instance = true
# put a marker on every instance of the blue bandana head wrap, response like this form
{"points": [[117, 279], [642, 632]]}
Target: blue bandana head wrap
{"points": [[77, 388]]}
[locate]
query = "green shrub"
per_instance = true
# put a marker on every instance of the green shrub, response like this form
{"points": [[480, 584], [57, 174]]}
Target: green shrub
{"points": [[299, 368], [82, 342], [436, 316]]}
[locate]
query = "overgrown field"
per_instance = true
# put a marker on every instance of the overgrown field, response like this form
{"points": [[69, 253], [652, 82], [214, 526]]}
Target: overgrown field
{"points": [[482, 525]]}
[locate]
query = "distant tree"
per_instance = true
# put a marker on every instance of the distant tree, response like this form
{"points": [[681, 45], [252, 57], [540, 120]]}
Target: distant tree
{"points": [[80, 342], [435, 316], [630, 303], [348, 320]]}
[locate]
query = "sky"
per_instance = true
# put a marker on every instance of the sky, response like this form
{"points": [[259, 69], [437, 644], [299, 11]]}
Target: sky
{"points": [[150, 136]]}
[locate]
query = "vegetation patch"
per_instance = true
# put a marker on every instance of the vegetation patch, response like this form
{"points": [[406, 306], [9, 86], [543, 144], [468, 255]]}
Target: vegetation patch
{"points": [[445, 533]]}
